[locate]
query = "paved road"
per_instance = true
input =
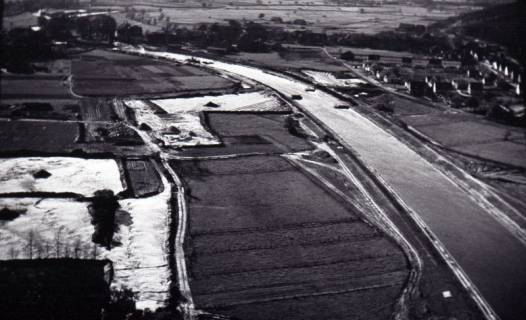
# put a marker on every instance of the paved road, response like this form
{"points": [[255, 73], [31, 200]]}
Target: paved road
{"points": [[492, 257]]}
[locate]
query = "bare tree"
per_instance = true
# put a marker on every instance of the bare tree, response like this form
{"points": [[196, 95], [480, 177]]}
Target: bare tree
{"points": [[58, 241], [30, 244], [47, 249], [94, 252], [13, 253], [39, 247], [66, 250], [77, 249]]}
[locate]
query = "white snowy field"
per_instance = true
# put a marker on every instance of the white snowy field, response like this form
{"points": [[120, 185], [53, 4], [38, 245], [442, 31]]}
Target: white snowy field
{"points": [[68, 174], [250, 101], [181, 129], [62, 227], [328, 79]]}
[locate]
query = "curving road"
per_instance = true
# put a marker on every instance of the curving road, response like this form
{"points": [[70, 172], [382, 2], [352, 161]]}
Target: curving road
{"points": [[488, 253]]}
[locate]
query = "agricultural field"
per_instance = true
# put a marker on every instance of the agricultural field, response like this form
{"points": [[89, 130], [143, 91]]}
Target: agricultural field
{"points": [[248, 133], [61, 227], [75, 175], [309, 59], [93, 109], [143, 177], [139, 257], [319, 18], [472, 136], [243, 102], [272, 239], [329, 79], [100, 74], [38, 136], [406, 108], [35, 86], [58, 109]]}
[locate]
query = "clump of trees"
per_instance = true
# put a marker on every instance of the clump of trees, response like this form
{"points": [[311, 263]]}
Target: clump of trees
{"points": [[129, 33], [347, 55], [98, 27], [23, 46], [293, 125], [122, 307], [254, 39], [102, 209]]}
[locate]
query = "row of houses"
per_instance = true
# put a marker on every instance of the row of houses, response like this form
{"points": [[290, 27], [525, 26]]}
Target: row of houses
{"points": [[494, 59]]}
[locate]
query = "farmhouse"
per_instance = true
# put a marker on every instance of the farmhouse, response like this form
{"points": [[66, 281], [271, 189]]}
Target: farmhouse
{"points": [[211, 104]]}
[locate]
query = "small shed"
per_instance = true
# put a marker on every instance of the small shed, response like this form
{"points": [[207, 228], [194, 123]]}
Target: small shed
{"points": [[211, 104]]}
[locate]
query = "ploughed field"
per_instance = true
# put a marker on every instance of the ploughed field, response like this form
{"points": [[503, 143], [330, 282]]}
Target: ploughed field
{"points": [[245, 133], [37, 136], [111, 74], [35, 86], [474, 137], [267, 242], [143, 177]]}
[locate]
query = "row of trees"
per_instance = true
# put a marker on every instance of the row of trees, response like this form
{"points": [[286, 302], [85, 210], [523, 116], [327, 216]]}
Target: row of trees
{"points": [[20, 6], [102, 209], [97, 27], [254, 37], [37, 247]]}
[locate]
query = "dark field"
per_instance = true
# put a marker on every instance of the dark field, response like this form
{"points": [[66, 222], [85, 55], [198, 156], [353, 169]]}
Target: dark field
{"points": [[111, 74], [266, 242], [473, 136], [313, 59], [97, 110], [36, 86], [144, 179], [38, 136], [59, 109], [245, 133]]}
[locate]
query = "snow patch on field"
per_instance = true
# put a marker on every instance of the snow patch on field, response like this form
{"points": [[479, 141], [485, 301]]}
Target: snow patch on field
{"points": [[140, 261], [76, 175], [178, 130], [142, 257], [66, 219], [328, 79], [251, 101]]}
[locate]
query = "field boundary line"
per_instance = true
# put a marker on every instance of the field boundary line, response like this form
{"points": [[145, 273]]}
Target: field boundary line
{"points": [[187, 307]]}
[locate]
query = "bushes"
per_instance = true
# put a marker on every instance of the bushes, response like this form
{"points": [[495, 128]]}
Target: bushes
{"points": [[122, 307], [294, 127], [347, 55]]}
